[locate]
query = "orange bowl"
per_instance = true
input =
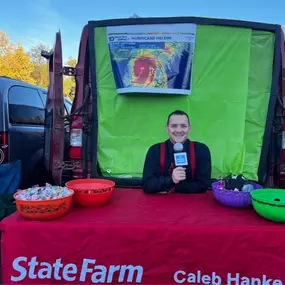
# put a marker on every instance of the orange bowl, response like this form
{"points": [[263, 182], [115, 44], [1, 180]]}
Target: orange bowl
{"points": [[91, 192], [43, 210]]}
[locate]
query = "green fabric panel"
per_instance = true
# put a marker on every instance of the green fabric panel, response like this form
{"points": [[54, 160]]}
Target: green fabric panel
{"points": [[260, 73], [218, 101], [221, 106]]}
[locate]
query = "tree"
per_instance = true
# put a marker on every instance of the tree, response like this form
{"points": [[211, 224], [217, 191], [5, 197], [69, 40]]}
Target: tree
{"points": [[30, 67], [71, 62], [35, 53], [40, 75], [5, 44], [40, 71], [14, 61], [69, 82]]}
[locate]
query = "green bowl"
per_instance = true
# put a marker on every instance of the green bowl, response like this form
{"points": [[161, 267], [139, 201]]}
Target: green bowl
{"points": [[269, 203]]}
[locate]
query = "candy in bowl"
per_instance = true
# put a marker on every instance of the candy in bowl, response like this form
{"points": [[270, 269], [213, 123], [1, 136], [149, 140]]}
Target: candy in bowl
{"points": [[43, 203], [235, 194]]}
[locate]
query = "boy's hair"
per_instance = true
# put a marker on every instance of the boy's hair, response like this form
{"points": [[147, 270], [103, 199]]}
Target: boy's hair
{"points": [[178, 112]]}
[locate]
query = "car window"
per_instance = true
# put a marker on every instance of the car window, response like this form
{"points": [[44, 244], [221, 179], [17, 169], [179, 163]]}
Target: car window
{"points": [[68, 106], [44, 97], [25, 106], [25, 96]]}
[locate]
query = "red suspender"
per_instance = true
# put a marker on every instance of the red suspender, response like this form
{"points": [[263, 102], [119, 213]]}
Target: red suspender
{"points": [[192, 158], [162, 157]]}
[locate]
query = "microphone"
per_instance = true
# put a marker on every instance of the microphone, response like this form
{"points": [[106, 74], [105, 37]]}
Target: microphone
{"points": [[180, 157], [178, 147]]}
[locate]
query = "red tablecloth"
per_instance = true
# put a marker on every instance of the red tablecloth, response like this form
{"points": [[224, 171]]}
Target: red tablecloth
{"points": [[148, 239]]}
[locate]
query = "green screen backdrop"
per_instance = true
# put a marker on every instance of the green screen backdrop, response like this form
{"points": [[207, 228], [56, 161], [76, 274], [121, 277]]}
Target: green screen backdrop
{"points": [[231, 81]]}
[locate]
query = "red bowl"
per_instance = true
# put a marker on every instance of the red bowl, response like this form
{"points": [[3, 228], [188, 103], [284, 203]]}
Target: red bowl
{"points": [[91, 192], [43, 210]]}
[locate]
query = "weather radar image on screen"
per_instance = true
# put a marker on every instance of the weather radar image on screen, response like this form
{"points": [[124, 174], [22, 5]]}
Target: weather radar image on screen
{"points": [[152, 58]]}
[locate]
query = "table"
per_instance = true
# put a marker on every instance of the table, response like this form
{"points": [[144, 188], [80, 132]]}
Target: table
{"points": [[146, 239]]}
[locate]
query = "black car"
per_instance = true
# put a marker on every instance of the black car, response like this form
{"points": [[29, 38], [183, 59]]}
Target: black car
{"points": [[22, 109]]}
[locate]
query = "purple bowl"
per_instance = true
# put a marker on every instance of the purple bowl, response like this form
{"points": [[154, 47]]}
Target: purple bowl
{"points": [[230, 198]]}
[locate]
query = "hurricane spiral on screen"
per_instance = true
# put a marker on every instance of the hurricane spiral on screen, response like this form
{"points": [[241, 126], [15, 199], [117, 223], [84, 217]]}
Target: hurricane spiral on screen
{"points": [[153, 68]]}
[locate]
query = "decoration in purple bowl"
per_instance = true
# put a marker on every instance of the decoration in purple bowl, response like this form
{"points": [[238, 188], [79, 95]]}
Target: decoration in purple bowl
{"points": [[231, 198]]}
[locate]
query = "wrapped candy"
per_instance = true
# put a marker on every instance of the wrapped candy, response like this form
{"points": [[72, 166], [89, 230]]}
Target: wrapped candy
{"points": [[247, 188], [48, 192]]}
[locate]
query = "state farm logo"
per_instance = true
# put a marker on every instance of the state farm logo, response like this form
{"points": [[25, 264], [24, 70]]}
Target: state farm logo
{"points": [[33, 269]]}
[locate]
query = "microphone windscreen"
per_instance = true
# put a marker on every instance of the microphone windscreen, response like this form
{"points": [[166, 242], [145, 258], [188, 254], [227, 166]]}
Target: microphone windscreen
{"points": [[178, 147]]}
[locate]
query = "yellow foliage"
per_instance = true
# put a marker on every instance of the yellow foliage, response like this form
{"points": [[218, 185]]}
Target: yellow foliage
{"points": [[40, 75], [71, 62], [69, 82], [5, 44], [30, 67], [14, 61], [68, 88]]}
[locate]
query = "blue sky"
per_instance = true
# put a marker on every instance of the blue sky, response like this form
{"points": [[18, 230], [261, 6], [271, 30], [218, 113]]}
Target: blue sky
{"points": [[33, 21]]}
